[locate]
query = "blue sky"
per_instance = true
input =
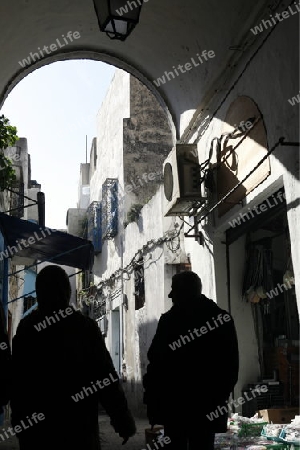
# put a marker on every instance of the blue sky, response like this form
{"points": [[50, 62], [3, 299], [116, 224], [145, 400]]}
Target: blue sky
{"points": [[55, 107]]}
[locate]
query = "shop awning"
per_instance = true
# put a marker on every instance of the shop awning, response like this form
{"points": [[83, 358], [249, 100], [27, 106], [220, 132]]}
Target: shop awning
{"points": [[26, 239]]}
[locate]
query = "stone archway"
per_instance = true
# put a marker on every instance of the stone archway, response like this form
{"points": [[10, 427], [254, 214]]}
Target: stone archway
{"points": [[164, 51], [95, 56]]}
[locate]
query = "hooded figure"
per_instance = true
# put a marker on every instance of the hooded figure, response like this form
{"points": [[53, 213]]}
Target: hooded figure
{"points": [[193, 367], [62, 370]]}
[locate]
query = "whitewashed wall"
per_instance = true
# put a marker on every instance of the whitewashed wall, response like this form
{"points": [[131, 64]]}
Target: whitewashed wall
{"points": [[270, 80], [114, 109], [140, 326], [16, 282]]}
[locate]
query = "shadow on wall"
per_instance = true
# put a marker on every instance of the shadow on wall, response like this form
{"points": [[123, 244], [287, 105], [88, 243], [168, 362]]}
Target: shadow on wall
{"points": [[100, 265], [103, 257], [133, 387]]}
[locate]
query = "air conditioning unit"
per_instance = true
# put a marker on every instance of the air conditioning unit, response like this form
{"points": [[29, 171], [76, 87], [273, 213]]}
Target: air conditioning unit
{"points": [[184, 185]]}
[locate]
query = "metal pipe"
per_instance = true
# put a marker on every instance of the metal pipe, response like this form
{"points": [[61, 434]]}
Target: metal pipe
{"points": [[5, 286], [228, 276]]}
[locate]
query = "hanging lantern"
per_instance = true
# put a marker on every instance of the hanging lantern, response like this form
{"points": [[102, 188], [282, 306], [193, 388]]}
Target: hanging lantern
{"points": [[117, 18]]}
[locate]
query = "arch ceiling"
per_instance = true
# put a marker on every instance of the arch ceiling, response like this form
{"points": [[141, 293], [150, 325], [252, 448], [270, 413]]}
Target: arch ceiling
{"points": [[170, 32]]}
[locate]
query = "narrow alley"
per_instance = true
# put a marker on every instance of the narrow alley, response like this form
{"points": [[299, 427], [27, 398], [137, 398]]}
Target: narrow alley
{"points": [[150, 223]]}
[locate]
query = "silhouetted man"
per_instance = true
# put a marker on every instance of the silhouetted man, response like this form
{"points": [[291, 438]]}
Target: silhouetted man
{"points": [[193, 367], [62, 369]]}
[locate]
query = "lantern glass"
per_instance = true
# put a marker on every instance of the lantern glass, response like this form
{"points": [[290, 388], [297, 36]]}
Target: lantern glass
{"points": [[117, 18], [116, 26]]}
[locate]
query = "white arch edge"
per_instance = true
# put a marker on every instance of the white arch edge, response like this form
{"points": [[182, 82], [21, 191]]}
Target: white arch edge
{"points": [[95, 56]]}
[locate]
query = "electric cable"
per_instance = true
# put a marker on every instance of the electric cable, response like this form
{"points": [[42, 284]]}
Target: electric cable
{"points": [[279, 142], [152, 243]]}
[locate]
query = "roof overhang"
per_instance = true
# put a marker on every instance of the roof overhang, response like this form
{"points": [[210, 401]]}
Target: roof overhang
{"points": [[26, 239]]}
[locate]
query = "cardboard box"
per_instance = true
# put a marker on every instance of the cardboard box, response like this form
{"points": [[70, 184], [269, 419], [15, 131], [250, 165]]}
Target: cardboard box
{"points": [[278, 415]]}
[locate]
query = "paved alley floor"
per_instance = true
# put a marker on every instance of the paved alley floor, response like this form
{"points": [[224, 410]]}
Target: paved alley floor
{"points": [[112, 441], [109, 439]]}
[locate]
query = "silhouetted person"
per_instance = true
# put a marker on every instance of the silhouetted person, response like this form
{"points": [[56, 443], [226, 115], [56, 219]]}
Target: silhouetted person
{"points": [[193, 367], [5, 364], [62, 369]]}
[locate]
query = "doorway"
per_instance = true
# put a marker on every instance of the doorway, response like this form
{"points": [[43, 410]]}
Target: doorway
{"points": [[115, 338]]}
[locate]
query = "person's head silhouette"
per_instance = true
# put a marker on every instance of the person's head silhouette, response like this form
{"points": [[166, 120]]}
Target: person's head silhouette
{"points": [[53, 289], [185, 285]]}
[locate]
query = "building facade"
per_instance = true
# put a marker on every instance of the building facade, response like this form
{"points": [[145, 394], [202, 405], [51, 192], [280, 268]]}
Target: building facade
{"points": [[239, 244], [137, 249], [19, 275]]}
